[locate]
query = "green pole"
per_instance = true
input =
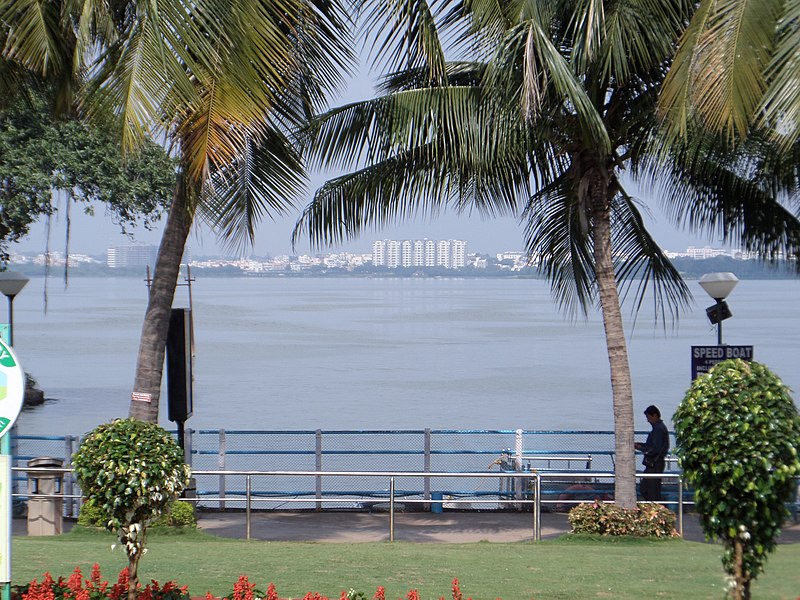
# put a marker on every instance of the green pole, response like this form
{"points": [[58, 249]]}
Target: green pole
{"points": [[5, 448]]}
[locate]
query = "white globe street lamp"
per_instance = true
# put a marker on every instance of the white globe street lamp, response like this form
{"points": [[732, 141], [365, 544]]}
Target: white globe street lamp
{"points": [[718, 286], [11, 284]]}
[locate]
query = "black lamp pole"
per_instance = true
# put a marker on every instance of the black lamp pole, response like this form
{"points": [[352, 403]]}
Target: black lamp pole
{"points": [[11, 319]]}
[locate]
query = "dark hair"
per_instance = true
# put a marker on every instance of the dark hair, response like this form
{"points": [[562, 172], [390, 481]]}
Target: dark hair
{"points": [[652, 410]]}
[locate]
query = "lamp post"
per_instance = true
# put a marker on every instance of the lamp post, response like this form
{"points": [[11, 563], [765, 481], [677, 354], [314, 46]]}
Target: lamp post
{"points": [[11, 284], [718, 286]]}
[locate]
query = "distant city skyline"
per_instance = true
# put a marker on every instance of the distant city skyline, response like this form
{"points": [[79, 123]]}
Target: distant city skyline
{"points": [[95, 234]]}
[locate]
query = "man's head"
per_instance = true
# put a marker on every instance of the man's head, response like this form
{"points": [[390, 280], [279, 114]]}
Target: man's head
{"points": [[652, 413]]}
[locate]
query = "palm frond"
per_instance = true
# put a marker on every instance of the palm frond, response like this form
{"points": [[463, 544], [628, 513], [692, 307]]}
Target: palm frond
{"points": [[264, 181], [733, 54], [419, 181], [555, 238], [781, 104], [641, 265], [546, 77], [639, 37], [588, 26], [732, 196], [406, 36], [675, 105], [34, 35]]}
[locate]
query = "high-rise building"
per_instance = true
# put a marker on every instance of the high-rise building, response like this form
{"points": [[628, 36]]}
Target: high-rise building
{"points": [[450, 254], [379, 253], [393, 249], [134, 255], [458, 254], [407, 254]]}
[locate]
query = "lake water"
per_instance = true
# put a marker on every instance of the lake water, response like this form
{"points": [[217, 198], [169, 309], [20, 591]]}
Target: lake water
{"points": [[359, 353]]}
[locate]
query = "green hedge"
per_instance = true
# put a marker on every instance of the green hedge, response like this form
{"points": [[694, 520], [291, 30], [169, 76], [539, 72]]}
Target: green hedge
{"points": [[179, 514]]}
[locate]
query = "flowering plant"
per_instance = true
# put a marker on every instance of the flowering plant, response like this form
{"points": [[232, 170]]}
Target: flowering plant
{"points": [[609, 519], [77, 587]]}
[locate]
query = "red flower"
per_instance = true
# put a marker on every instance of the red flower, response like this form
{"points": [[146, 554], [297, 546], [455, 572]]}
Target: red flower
{"points": [[412, 595], [380, 593], [272, 593], [243, 589], [75, 583], [456, 590]]}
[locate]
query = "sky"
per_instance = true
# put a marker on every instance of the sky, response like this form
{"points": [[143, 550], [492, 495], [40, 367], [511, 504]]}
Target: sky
{"points": [[93, 235]]}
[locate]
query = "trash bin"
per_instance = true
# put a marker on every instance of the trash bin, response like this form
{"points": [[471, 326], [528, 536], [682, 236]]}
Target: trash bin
{"points": [[45, 515], [436, 502]]}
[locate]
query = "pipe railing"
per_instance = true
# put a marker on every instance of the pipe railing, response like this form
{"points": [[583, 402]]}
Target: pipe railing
{"points": [[535, 491]]}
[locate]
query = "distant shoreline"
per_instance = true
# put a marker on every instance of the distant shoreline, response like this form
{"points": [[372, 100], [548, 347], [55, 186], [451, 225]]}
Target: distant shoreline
{"points": [[689, 268]]}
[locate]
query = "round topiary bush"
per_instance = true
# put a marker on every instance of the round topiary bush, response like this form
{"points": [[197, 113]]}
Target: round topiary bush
{"points": [[737, 433], [130, 471]]}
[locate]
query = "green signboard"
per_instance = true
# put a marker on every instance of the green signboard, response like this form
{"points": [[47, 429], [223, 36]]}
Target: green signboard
{"points": [[12, 393], [12, 388]]}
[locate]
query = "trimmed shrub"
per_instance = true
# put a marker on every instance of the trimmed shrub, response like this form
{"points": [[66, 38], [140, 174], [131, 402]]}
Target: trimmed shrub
{"points": [[599, 518], [90, 515], [738, 433], [178, 514], [131, 471]]}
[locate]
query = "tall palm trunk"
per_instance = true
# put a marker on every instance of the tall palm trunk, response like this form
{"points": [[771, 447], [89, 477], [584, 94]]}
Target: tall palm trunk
{"points": [[150, 361], [621, 388]]}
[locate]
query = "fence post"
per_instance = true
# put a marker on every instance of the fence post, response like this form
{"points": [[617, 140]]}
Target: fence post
{"points": [[187, 446], [391, 509], [519, 482], [221, 463], [68, 487], [537, 507], [427, 468], [318, 464], [14, 460], [680, 506], [247, 505]]}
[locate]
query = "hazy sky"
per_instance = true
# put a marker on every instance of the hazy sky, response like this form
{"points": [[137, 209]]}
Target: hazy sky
{"points": [[93, 235]]}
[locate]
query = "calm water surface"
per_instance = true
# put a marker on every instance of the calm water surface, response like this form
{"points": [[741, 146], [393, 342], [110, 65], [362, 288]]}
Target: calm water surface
{"points": [[354, 353]]}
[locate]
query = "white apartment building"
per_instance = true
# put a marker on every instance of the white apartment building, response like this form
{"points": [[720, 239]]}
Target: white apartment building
{"points": [[450, 254], [407, 254], [393, 253], [134, 255], [703, 253], [379, 253], [443, 254], [430, 253]]}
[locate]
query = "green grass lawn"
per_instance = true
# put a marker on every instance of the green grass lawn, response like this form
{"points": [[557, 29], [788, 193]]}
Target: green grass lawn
{"points": [[564, 568]]}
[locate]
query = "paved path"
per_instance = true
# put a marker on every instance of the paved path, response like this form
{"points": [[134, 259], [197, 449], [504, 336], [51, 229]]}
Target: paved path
{"points": [[446, 527]]}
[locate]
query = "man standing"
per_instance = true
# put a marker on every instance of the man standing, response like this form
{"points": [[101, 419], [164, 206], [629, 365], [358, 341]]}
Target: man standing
{"points": [[655, 451]]}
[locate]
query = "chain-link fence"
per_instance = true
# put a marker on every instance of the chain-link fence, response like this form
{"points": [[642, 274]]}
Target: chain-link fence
{"points": [[424, 450]]}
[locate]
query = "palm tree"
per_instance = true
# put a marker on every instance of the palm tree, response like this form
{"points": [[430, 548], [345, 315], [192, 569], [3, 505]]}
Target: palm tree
{"points": [[221, 82], [737, 69], [551, 102]]}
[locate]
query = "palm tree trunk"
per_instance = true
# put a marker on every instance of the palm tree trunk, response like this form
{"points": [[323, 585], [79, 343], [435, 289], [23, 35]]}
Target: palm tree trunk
{"points": [[152, 344], [621, 388]]}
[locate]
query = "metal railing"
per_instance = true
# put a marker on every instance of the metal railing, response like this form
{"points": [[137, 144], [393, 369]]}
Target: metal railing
{"points": [[533, 496]]}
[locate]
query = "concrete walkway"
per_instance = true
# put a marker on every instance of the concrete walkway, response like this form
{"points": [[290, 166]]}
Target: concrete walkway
{"points": [[447, 527]]}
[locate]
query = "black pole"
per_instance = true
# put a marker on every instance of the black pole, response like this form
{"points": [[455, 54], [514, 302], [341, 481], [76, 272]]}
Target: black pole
{"points": [[10, 320], [719, 322], [180, 434]]}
